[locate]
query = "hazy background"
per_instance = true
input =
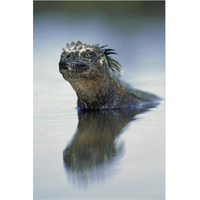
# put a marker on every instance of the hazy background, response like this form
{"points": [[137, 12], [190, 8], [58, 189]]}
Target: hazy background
{"points": [[136, 30]]}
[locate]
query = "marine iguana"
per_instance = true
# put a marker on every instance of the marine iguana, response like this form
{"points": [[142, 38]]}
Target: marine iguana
{"points": [[94, 75]]}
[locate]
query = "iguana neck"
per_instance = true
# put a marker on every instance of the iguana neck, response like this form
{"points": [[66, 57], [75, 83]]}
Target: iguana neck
{"points": [[102, 92]]}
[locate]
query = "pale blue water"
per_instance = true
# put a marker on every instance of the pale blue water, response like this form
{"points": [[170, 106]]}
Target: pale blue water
{"points": [[134, 168]]}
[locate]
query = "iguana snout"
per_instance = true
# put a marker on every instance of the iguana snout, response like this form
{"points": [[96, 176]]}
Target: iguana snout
{"points": [[72, 66]]}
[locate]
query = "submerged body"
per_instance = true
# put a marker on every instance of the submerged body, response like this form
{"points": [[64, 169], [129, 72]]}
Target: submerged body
{"points": [[94, 75]]}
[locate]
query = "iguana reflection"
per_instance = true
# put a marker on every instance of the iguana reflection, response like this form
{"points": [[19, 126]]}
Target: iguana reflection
{"points": [[94, 145]]}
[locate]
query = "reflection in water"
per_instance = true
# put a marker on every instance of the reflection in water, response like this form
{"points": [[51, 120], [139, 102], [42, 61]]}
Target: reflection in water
{"points": [[94, 147]]}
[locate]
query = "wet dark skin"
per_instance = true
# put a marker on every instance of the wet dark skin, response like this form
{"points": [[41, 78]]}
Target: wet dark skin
{"points": [[92, 73]]}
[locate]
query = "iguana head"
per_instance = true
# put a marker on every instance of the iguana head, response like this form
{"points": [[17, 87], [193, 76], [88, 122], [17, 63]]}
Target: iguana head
{"points": [[80, 60], [90, 70]]}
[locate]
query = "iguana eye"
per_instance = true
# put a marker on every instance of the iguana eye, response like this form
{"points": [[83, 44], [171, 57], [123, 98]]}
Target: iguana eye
{"points": [[88, 54]]}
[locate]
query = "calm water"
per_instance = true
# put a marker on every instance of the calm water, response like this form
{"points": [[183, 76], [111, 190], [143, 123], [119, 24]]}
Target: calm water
{"points": [[107, 155]]}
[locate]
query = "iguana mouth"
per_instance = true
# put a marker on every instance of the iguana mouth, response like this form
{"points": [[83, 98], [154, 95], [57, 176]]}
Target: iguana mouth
{"points": [[73, 66]]}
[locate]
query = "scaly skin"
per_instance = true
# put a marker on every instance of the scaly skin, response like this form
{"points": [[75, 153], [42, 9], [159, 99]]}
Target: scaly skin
{"points": [[93, 74]]}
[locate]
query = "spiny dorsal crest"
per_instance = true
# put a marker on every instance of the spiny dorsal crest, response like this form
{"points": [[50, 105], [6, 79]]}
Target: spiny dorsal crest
{"points": [[113, 64]]}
